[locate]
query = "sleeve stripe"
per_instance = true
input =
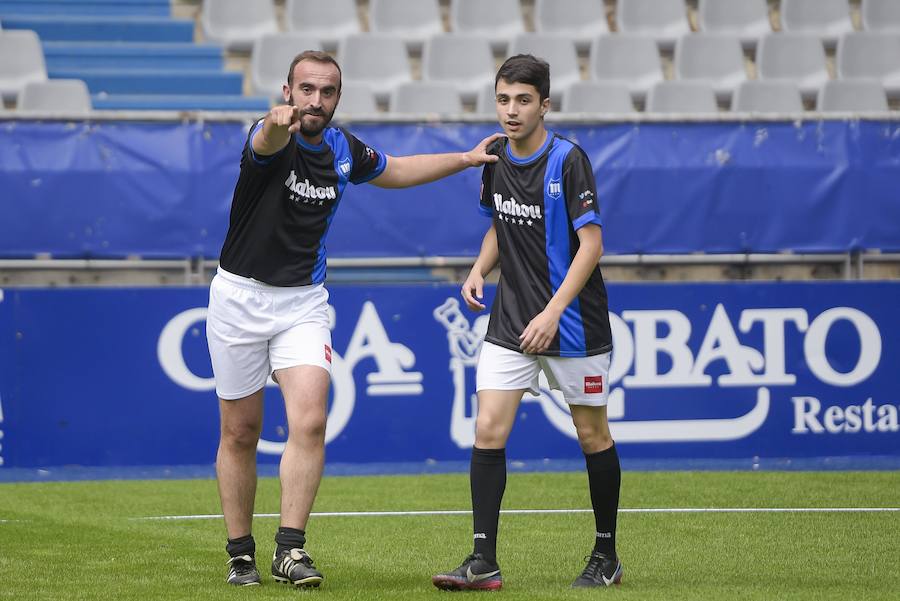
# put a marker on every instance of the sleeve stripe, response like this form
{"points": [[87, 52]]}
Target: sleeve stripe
{"points": [[586, 219], [485, 211]]}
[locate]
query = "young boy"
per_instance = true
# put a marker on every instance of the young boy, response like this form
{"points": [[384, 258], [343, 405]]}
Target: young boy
{"points": [[550, 313]]}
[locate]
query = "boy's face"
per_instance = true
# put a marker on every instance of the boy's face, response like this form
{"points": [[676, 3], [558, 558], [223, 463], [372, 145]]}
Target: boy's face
{"points": [[519, 109]]}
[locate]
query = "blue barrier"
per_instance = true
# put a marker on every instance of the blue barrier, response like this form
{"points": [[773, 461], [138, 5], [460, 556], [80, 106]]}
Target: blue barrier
{"points": [[104, 28], [155, 8], [121, 377], [164, 189], [133, 56]]}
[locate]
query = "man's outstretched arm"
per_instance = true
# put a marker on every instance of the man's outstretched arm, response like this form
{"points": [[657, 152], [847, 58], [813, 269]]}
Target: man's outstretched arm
{"points": [[403, 172]]}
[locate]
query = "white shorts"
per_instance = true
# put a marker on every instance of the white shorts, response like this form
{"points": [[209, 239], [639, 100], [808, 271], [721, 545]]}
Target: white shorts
{"points": [[582, 380], [254, 329]]}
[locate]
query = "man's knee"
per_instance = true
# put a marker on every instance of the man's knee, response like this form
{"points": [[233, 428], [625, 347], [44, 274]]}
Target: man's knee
{"points": [[310, 427], [593, 435], [241, 435], [489, 431]]}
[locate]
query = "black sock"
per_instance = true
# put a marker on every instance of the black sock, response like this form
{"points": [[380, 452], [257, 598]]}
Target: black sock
{"points": [[604, 479], [244, 545], [487, 476], [289, 538]]}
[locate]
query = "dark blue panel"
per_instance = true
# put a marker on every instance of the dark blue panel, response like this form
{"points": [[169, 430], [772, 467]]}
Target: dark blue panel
{"points": [[663, 188], [120, 29], [133, 56], [700, 371], [146, 8]]}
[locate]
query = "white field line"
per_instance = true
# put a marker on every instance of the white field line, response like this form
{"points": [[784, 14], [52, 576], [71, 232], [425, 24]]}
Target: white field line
{"points": [[356, 514]]}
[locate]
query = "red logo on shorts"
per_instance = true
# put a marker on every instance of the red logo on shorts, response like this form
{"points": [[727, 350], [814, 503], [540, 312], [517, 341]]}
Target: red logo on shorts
{"points": [[328, 353], [593, 384]]}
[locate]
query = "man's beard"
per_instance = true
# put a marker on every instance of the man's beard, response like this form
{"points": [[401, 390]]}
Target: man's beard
{"points": [[312, 132]]}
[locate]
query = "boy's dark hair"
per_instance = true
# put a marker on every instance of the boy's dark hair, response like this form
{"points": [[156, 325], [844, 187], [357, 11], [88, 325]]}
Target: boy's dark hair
{"points": [[312, 55], [527, 69]]}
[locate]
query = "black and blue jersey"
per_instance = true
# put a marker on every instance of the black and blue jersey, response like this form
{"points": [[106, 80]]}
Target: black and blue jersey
{"points": [[537, 204], [283, 205]]}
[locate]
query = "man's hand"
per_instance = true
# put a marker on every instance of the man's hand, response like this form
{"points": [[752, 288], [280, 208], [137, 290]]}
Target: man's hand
{"points": [[473, 291], [539, 332], [479, 155], [285, 115]]}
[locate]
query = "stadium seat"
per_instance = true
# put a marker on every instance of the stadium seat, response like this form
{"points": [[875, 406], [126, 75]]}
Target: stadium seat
{"points": [[681, 97], [236, 23], [867, 55], [663, 20], [559, 52], [466, 61], [413, 21], [271, 57], [356, 99], [377, 60], [769, 96], [881, 15], [147, 81], [23, 62], [500, 20], [852, 95], [795, 57], [433, 97], [628, 59], [486, 103], [580, 20], [828, 19], [328, 21], [597, 97], [714, 58], [746, 19], [68, 96]]}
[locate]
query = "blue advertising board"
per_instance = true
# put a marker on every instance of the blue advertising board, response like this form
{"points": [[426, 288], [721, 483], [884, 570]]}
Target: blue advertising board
{"points": [[121, 377], [163, 190]]}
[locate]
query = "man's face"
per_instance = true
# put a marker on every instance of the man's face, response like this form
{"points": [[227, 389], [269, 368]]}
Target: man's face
{"points": [[519, 109], [315, 90]]}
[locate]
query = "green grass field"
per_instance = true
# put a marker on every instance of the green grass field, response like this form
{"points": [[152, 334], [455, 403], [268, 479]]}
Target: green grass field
{"points": [[80, 540]]}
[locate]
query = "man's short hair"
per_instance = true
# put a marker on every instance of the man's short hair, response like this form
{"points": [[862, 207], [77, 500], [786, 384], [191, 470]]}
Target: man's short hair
{"points": [[313, 55], [527, 69]]}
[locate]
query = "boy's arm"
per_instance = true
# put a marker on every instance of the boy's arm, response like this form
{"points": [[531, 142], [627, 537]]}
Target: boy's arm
{"points": [[403, 172], [488, 256], [541, 330]]}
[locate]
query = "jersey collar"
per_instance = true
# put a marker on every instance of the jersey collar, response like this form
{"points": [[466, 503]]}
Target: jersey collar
{"points": [[516, 160]]}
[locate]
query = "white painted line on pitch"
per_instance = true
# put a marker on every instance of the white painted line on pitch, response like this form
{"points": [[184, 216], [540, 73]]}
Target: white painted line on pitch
{"points": [[356, 514]]}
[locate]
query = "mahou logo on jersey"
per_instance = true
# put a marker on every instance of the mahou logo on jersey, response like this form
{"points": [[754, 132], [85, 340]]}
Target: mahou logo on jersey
{"points": [[307, 190], [512, 208]]}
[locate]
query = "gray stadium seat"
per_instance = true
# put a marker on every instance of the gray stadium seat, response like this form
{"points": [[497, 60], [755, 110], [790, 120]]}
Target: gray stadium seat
{"points": [[501, 20], [770, 96], [866, 55], [597, 97], [271, 57], [434, 97], [356, 99], [236, 23], [714, 58], [414, 21], [559, 52], [23, 61], [852, 95], [663, 20], [746, 19], [463, 60], [326, 20], [628, 59], [580, 20], [486, 103], [795, 57], [881, 15], [377, 60], [828, 19], [681, 97], [69, 96]]}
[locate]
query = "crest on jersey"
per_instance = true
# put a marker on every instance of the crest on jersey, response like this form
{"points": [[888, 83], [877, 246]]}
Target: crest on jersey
{"points": [[554, 188], [344, 167]]}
